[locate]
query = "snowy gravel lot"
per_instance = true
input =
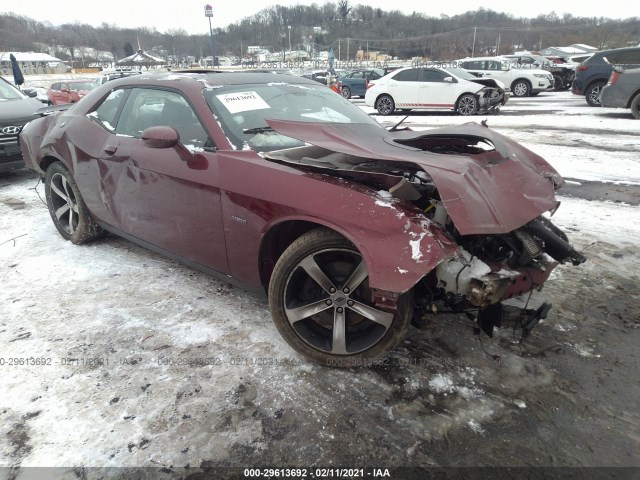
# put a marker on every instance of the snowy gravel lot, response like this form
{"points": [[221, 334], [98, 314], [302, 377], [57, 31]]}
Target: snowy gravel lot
{"points": [[114, 356]]}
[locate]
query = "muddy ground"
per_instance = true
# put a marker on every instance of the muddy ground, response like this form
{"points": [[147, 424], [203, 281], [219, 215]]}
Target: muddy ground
{"points": [[145, 362]]}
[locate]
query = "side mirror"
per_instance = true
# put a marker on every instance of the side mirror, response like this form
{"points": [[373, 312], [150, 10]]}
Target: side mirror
{"points": [[165, 137], [30, 92], [64, 90], [449, 80]]}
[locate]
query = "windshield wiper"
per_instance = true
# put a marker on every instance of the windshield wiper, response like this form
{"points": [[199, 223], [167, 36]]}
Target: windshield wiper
{"points": [[257, 130], [395, 127]]}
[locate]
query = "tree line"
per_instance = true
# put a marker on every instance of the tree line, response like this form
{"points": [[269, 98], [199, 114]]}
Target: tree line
{"points": [[345, 27]]}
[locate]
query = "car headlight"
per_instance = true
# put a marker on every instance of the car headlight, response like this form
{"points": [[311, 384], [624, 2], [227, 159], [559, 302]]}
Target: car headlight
{"points": [[540, 75]]}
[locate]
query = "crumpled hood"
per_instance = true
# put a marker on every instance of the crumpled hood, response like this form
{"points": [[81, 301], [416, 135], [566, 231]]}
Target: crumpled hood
{"points": [[490, 193]]}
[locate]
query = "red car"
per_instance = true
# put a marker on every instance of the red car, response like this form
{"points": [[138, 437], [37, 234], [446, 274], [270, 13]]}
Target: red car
{"points": [[69, 92], [285, 188]]}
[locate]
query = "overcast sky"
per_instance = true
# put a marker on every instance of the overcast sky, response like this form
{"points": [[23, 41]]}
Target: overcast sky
{"points": [[189, 14]]}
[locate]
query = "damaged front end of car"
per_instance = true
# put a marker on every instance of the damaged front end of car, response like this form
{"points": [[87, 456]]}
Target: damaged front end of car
{"points": [[488, 195], [490, 99]]}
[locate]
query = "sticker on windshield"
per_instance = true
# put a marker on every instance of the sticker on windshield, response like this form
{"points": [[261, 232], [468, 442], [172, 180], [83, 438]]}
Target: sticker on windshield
{"points": [[242, 101]]}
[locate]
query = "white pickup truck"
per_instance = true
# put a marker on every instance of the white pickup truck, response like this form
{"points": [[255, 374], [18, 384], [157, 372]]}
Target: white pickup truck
{"points": [[523, 82]]}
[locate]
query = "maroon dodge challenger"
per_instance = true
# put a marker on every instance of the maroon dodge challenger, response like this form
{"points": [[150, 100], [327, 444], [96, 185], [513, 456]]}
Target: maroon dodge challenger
{"points": [[277, 184]]}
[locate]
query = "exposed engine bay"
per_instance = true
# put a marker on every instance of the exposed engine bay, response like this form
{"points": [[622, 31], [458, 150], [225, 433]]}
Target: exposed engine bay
{"points": [[487, 268], [490, 98]]}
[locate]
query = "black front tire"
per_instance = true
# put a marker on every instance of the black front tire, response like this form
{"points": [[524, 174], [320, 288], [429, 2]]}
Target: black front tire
{"points": [[467, 105], [346, 92], [593, 93], [558, 83], [318, 298], [66, 207], [521, 88]]}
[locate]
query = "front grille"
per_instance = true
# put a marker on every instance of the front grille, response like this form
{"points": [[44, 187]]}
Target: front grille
{"points": [[9, 133]]}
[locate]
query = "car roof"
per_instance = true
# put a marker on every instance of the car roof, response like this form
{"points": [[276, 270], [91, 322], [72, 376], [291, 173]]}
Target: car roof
{"points": [[214, 78]]}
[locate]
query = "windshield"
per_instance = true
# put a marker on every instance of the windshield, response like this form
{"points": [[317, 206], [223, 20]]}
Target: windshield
{"points": [[9, 92], [242, 111], [460, 73]]}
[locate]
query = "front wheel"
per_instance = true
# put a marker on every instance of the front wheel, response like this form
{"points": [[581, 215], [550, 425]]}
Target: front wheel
{"points": [[385, 105], [346, 92], [467, 104], [558, 83], [593, 94], [521, 88], [635, 106], [66, 207], [319, 297]]}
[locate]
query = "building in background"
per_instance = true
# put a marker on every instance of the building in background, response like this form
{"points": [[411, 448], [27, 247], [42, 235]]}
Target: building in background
{"points": [[32, 63]]}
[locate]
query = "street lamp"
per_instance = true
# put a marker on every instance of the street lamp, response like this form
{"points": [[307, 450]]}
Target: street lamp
{"points": [[289, 28], [208, 12]]}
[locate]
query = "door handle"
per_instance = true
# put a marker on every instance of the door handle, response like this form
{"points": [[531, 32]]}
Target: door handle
{"points": [[110, 149]]}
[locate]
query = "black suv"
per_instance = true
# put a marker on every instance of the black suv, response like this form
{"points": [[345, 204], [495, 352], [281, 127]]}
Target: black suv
{"points": [[593, 73], [16, 109]]}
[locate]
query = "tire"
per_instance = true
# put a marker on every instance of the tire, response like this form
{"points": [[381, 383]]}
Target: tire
{"points": [[558, 83], [467, 104], [385, 105], [346, 92], [635, 106], [593, 92], [323, 270], [66, 207], [521, 88]]}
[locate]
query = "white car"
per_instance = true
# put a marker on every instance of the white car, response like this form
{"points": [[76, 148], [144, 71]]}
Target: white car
{"points": [[435, 88], [522, 82]]}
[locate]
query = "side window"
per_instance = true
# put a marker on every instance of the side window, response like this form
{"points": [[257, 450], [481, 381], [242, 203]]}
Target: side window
{"points": [[106, 113], [433, 76], [410, 75], [146, 107], [55, 87], [629, 58]]}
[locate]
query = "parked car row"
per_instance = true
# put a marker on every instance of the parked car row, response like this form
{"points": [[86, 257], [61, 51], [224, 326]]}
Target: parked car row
{"points": [[593, 74]]}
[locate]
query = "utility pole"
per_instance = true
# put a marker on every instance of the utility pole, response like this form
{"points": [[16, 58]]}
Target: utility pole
{"points": [[339, 57], [498, 46], [473, 48], [289, 28], [347, 49]]}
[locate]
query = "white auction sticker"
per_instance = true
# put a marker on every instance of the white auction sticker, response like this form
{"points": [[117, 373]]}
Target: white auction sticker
{"points": [[242, 101]]}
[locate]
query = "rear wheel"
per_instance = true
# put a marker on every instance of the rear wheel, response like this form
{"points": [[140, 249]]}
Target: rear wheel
{"points": [[467, 104], [385, 105], [319, 300], [593, 94], [346, 92], [635, 106], [67, 209]]}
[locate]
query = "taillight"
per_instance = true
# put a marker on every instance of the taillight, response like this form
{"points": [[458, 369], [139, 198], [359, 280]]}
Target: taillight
{"points": [[582, 68], [613, 78]]}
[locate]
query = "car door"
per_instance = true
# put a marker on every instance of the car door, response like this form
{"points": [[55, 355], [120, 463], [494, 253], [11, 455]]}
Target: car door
{"points": [[152, 194], [404, 87], [435, 92]]}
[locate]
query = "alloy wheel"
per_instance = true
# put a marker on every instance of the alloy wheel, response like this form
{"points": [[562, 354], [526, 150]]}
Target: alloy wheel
{"points": [[65, 205], [325, 303]]}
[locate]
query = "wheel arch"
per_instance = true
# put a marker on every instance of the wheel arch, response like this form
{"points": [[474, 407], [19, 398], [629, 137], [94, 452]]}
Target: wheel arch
{"points": [[521, 79], [391, 249]]}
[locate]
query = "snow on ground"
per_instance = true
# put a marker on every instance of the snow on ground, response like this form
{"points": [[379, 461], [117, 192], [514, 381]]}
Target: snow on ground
{"points": [[147, 362]]}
